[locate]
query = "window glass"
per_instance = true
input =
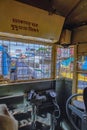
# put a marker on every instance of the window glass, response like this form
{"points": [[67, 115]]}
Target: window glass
{"points": [[82, 63], [65, 62], [82, 72], [24, 61]]}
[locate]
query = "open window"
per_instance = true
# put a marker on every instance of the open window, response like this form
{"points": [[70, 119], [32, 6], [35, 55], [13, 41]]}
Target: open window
{"points": [[81, 68], [65, 62], [21, 61]]}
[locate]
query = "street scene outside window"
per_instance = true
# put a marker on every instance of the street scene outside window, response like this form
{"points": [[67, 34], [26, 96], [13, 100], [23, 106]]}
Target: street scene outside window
{"points": [[82, 72], [65, 62], [24, 61]]}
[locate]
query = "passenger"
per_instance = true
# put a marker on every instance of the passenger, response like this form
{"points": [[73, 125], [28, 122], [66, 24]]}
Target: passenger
{"points": [[7, 121]]}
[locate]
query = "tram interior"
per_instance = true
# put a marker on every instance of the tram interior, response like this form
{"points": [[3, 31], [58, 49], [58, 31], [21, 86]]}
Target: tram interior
{"points": [[43, 63]]}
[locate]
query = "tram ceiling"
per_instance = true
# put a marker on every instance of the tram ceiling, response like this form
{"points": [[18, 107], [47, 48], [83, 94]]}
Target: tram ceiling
{"points": [[75, 11]]}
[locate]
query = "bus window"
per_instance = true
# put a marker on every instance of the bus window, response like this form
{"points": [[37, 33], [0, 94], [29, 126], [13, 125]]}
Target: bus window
{"points": [[65, 60], [24, 61], [81, 69], [82, 73]]}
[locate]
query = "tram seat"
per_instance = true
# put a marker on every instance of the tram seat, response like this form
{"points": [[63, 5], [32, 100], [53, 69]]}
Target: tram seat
{"points": [[79, 104], [82, 105], [78, 114]]}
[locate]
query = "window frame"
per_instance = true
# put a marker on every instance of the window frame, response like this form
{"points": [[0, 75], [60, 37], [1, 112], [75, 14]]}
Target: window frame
{"points": [[26, 41]]}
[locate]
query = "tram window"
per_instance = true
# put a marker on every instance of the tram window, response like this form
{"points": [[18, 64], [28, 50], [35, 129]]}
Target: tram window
{"points": [[80, 68], [82, 63], [82, 73], [65, 60], [24, 61]]}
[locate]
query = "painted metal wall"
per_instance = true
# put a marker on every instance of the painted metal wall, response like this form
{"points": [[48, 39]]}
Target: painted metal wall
{"points": [[64, 90], [22, 87]]}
